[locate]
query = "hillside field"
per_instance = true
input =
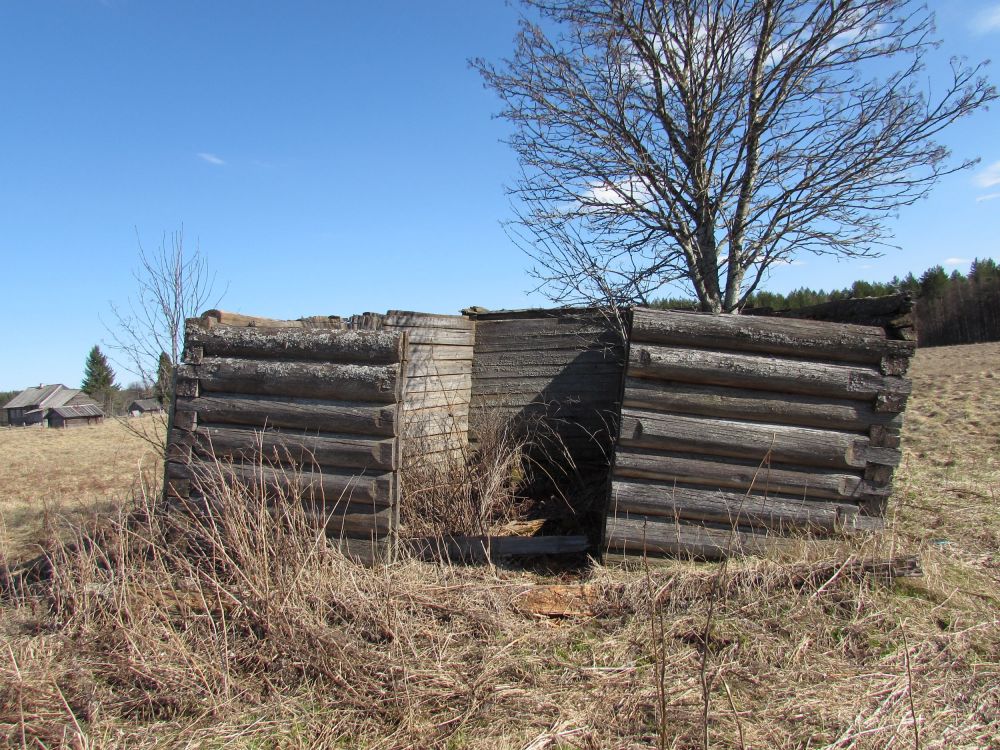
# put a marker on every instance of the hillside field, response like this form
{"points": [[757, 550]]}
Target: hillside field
{"points": [[283, 644]]}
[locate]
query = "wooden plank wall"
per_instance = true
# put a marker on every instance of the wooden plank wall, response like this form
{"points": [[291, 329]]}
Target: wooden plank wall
{"points": [[435, 405], [563, 365], [305, 406], [736, 430]]}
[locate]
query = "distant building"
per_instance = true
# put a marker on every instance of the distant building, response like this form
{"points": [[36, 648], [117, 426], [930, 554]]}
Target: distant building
{"points": [[52, 406], [144, 406]]}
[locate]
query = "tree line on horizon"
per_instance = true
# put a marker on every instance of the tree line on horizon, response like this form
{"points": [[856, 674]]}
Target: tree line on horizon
{"points": [[951, 308]]}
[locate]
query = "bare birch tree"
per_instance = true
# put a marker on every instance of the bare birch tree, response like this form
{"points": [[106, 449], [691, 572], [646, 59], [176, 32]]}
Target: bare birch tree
{"points": [[703, 142], [172, 284]]}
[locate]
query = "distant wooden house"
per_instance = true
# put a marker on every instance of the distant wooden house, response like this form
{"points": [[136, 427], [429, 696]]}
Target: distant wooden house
{"points": [[144, 406], [52, 406]]}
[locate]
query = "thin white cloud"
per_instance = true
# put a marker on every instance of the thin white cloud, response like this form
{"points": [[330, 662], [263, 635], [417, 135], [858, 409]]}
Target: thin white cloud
{"points": [[987, 197], [211, 158], [957, 261], [987, 20], [989, 177]]}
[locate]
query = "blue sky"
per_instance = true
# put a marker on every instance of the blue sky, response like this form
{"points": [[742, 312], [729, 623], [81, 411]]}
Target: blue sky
{"points": [[327, 157]]}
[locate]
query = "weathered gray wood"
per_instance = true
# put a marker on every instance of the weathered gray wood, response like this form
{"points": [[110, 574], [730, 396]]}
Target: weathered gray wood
{"points": [[439, 353], [295, 413], [549, 358], [440, 423], [658, 536], [719, 472], [804, 446], [325, 345], [434, 383], [439, 336], [565, 372], [767, 373], [892, 311], [486, 548], [348, 451], [437, 368], [211, 318], [603, 385], [804, 339], [764, 406], [772, 512], [331, 486], [379, 383], [410, 319]]}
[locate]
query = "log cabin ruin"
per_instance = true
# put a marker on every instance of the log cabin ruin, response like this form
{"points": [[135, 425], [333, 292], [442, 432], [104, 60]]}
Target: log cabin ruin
{"points": [[663, 432]]}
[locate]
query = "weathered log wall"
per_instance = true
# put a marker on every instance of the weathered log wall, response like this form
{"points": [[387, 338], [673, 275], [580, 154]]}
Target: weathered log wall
{"points": [[303, 409], [737, 429], [564, 367], [435, 404]]}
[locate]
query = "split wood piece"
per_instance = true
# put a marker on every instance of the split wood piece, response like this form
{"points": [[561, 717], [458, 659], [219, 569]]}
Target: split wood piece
{"points": [[660, 536], [211, 318], [805, 446], [438, 367], [545, 359], [439, 353], [438, 336], [569, 371], [186, 382], [762, 406], [377, 383], [347, 451], [333, 488], [805, 339], [884, 436], [603, 386], [481, 549], [330, 346], [561, 600], [363, 551], [774, 513], [409, 319], [295, 413], [768, 373], [436, 383], [686, 468], [456, 399]]}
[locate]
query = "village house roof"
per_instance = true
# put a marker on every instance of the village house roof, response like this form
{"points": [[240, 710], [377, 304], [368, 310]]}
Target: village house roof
{"points": [[145, 404], [79, 410], [42, 396]]}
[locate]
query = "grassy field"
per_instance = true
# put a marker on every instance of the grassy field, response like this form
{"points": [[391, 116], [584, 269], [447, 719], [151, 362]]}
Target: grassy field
{"points": [[51, 476], [281, 643]]}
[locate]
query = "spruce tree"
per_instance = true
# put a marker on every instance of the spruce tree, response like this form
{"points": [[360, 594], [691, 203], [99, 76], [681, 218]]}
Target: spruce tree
{"points": [[162, 389], [98, 377]]}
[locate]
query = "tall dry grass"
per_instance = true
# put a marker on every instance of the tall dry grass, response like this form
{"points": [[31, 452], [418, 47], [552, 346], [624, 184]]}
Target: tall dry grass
{"points": [[243, 628]]}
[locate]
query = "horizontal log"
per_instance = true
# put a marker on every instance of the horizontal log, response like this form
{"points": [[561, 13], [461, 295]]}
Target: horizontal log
{"points": [[570, 371], [438, 367], [409, 319], [549, 358], [685, 468], [804, 446], [295, 413], [439, 336], [805, 339], [443, 424], [211, 318], [428, 399], [433, 383], [364, 551], [774, 513], [600, 387], [763, 406], [439, 352], [335, 488], [331, 346], [767, 373], [347, 451], [377, 383], [888, 311], [658, 536], [485, 548]]}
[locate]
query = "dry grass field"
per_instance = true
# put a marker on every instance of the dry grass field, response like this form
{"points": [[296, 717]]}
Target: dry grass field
{"points": [[48, 477], [268, 639]]}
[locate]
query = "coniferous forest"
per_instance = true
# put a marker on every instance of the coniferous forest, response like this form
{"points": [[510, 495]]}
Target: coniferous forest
{"points": [[953, 308]]}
